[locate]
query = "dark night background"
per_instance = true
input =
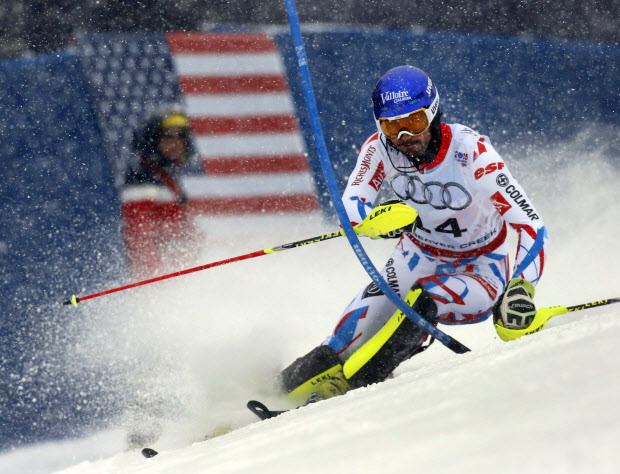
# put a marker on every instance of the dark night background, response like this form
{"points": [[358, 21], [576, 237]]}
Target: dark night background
{"points": [[43, 26]]}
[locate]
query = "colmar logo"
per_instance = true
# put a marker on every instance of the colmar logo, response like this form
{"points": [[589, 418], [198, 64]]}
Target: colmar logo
{"points": [[501, 205], [520, 201], [488, 169]]}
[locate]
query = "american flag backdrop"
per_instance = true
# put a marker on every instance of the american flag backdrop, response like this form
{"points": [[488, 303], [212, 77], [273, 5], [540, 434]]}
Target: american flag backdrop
{"points": [[250, 153], [128, 75], [247, 135]]}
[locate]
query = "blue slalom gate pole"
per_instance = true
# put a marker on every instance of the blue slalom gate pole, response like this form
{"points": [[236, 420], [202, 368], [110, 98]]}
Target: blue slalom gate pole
{"points": [[328, 173]]}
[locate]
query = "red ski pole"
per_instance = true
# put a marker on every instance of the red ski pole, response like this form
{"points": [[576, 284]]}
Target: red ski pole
{"points": [[75, 300], [381, 220]]}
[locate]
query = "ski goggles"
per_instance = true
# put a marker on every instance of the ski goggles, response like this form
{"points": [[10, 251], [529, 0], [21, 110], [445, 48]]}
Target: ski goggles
{"points": [[413, 123], [175, 134]]}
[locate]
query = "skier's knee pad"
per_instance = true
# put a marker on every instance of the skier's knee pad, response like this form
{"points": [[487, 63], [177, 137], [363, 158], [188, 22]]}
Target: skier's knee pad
{"points": [[394, 343], [300, 378]]}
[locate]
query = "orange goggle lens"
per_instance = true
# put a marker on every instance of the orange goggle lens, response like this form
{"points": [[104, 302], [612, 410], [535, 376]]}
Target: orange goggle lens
{"points": [[415, 123]]}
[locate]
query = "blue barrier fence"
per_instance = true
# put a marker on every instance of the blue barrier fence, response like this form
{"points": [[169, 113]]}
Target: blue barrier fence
{"points": [[523, 93], [59, 211], [59, 232]]}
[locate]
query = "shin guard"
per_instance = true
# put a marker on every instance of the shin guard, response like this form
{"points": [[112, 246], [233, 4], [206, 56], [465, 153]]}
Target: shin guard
{"points": [[392, 344]]}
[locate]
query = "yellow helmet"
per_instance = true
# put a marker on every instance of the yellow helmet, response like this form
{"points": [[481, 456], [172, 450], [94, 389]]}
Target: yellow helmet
{"points": [[175, 119]]}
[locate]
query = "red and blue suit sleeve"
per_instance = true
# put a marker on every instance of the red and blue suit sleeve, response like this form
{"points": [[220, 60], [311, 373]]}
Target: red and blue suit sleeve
{"points": [[513, 205], [364, 182]]}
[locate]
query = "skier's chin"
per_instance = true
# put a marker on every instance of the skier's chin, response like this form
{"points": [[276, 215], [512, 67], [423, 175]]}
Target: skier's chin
{"points": [[412, 151]]}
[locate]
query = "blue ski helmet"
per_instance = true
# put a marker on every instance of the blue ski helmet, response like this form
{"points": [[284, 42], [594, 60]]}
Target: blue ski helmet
{"points": [[402, 90]]}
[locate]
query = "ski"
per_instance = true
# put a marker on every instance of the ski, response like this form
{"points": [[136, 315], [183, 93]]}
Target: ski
{"points": [[149, 453], [256, 407], [261, 410]]}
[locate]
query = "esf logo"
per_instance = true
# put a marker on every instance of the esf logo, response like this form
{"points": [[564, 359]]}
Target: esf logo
{"points": [[488, 169]]}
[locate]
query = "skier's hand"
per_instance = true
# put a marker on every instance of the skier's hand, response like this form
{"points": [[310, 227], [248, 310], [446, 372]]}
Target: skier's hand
{"points": [[515, 308], [395, 234]]}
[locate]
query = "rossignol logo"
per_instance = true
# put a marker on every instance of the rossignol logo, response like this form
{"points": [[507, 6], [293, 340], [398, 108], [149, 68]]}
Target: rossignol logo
{"points": [[377, 179], [395, 96], [500, 203]]}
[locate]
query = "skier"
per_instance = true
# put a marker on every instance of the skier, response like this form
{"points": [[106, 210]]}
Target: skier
{"points": [[158, 221], [163, 143], [452, 266]]}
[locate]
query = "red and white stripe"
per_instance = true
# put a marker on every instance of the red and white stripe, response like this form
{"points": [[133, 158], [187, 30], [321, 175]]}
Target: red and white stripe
{"points": [[244, 123]]}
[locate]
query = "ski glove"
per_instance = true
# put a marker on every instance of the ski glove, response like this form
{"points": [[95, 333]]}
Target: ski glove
{"points": [[395, 234], [515, 308]]}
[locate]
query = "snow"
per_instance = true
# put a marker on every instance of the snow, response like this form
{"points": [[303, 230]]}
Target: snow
{"points": [[545, 403]]}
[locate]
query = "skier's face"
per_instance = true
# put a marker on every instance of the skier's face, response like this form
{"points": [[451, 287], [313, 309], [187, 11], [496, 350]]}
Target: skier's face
{"points": [[413, 145], [172, 144]]}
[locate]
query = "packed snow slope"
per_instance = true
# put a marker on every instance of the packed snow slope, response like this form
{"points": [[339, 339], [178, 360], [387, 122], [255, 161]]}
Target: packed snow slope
{"points": [[204, 344]]}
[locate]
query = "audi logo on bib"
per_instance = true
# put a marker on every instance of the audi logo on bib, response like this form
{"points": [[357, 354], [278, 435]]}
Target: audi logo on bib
{"points": [[439, 195]]}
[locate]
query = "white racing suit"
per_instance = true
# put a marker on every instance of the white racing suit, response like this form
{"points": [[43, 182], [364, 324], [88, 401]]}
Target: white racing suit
{"points": [[457, 251]]}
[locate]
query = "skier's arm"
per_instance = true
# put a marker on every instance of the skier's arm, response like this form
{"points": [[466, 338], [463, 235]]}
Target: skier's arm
{"points": [[491, 175], [515, 308], [364, 182]]}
